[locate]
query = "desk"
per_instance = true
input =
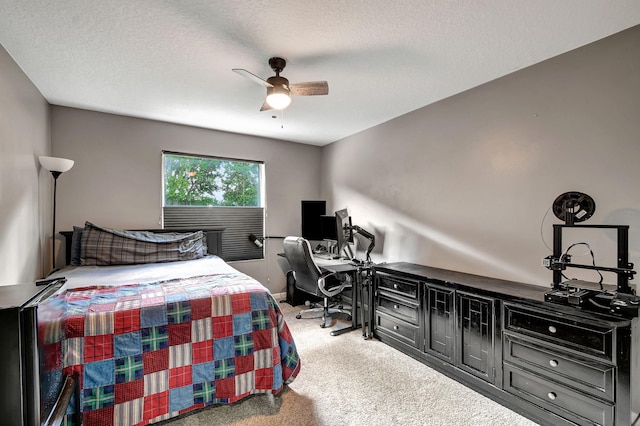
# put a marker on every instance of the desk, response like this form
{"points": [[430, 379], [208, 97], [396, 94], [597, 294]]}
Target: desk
{"points": [[362, 279], [361, 275]]}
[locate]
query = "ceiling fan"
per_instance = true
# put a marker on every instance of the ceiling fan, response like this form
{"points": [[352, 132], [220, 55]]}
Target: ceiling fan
{"points": [[279, 90]]}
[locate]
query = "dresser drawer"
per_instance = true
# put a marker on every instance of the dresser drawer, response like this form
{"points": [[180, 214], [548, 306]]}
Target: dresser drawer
{"points": [[589, 376], [398, 308], [406, 288], [568, 403], [583, 337], [401, 330]]}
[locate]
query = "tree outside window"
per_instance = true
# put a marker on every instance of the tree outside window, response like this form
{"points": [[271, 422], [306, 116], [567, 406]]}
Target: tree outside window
{"points": [[203, 181]]}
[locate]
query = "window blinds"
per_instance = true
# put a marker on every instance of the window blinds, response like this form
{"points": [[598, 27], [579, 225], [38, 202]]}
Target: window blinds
{"points": [[239, 223]]}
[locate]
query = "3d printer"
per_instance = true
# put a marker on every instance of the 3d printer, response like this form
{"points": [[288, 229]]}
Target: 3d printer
{"points": [[617, 299]]}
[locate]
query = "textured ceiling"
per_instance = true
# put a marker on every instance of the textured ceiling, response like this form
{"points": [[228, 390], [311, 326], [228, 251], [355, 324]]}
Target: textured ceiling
{"points": [[172, 60]]}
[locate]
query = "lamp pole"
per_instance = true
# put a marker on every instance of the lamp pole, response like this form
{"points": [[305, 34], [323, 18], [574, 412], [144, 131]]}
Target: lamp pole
{"points": [[56, 166], [55, 175]]}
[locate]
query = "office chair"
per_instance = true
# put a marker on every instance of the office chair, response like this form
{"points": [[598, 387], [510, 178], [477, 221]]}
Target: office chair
{"points": [[310, 279]]}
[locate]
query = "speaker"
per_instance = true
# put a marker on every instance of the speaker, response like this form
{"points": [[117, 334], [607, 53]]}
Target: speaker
{"points": [[293, 295]]}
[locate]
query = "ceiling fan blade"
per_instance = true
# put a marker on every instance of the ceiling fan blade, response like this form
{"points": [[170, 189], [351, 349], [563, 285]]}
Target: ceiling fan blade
{"points": [[309, 88], [252, 77], [265, 106]]}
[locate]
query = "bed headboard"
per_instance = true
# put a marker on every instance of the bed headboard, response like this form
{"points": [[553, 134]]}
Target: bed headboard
{"points": [[214, 239]]}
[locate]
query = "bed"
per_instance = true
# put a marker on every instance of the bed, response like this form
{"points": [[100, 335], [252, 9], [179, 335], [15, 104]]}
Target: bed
{"points": [[152, 326]]}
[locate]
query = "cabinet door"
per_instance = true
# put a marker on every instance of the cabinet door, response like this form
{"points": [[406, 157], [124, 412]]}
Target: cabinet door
{"points": [[475, 335], [440, 319]]}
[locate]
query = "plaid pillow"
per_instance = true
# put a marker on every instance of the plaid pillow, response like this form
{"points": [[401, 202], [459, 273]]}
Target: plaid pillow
{"points": [[107, 246]]}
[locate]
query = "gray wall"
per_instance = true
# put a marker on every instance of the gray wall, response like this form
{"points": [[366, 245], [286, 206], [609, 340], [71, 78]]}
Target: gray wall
{"points": [[116, 181], [465, 183], [25, 190]]}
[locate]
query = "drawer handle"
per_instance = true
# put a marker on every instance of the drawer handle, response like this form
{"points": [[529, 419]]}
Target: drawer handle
{"points": [[396, 328], [396, 306], [553, 363], [552, 395], [552, 329]]}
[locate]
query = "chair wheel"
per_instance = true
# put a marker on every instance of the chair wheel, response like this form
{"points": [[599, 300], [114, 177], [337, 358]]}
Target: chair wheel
{"points": [[298, 316], [323, 325]]}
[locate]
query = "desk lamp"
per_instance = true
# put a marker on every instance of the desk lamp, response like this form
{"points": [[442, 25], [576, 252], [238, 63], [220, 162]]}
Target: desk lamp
{"points": [[56, 166]]}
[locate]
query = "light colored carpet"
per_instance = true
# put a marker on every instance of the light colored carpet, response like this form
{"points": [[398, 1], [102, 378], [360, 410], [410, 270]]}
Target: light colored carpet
{"points": [[346, 380]]}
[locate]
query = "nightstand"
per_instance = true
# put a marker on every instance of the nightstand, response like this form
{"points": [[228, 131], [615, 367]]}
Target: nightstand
{"points": [[19, 375]]}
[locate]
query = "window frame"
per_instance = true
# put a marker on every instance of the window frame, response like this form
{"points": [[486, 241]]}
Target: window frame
{"points": [[261, 178], [239, 221]]}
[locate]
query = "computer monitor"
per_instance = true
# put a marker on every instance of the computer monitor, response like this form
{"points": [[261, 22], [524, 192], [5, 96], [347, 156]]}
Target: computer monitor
{"points": [[311, 225], [328, 227], [343, 231]]}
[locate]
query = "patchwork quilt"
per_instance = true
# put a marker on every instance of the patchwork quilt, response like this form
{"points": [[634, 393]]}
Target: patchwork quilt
{"points": [[148, 352]]}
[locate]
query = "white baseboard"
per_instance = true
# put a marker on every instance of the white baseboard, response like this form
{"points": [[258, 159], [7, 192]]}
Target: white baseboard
{"points": [[279, 296]]}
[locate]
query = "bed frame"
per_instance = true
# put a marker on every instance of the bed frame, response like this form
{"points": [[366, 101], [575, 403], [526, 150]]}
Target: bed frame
{"points": [[214, 239]]}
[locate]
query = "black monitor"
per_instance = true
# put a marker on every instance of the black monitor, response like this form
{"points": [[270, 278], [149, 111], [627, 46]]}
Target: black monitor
{"points": [[343, 230], [311, 225], [329, 227]]}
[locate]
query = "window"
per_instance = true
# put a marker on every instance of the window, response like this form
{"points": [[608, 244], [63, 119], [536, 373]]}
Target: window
{"points": [[209, 192], [205, 181]]}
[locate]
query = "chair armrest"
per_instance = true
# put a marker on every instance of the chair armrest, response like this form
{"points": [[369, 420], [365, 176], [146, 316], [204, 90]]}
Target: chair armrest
{"points": [[336, 290]]}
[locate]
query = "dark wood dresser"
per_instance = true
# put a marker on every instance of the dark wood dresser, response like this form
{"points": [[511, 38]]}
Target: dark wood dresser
{"points": [[555, 364]]}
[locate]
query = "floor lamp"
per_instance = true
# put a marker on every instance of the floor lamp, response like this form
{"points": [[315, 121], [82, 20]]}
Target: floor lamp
{"points": [[56, 166]]}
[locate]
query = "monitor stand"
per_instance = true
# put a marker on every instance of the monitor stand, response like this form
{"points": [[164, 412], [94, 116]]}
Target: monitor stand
{"points": [[331, 247]]}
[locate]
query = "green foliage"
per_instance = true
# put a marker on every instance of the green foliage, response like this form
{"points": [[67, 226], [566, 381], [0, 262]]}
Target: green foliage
{"points": [[240, 184], [192, 181]]}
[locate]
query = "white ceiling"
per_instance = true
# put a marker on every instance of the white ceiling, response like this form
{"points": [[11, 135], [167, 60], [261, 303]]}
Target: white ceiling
{"points": [[172, 60]]}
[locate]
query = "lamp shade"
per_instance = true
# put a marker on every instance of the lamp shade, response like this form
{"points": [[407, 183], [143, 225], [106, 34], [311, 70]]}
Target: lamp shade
{"points": [[278, 97], [55, 164]]}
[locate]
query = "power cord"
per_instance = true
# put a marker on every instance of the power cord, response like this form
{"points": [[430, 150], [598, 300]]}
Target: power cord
{"points": [[565, 254], [542, 228]]}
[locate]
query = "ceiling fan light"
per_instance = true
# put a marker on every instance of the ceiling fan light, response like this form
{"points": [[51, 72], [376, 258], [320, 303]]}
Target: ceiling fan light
{"points": [[278, 99]]}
